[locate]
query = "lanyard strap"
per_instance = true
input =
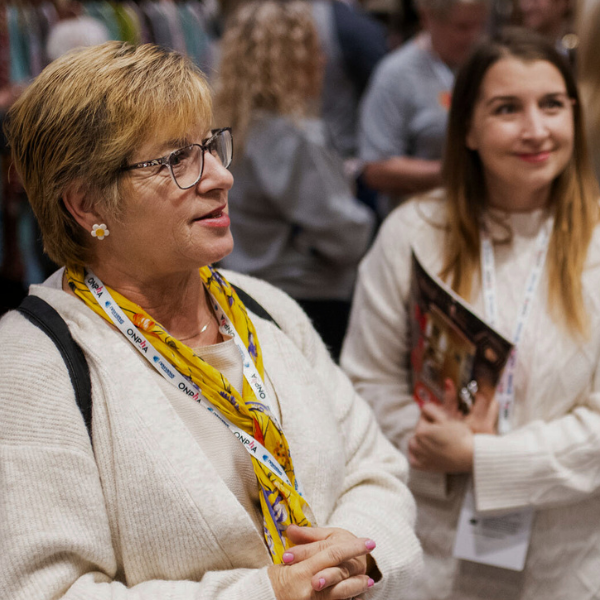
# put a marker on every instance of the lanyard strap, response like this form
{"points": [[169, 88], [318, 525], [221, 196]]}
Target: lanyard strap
{"points": [[173, 376], [505, 390]]}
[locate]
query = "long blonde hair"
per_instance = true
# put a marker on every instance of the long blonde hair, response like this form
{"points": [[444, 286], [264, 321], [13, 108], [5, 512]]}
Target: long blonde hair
{"points": [[574, 195], [271, 61]]}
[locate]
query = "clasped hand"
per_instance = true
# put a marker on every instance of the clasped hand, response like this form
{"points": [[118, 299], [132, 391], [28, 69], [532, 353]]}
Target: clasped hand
{"points": [[327, 563], [443, 439]]}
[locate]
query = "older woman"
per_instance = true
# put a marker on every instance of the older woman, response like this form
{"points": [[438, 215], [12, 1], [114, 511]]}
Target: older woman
{"points": [[130, 187]]}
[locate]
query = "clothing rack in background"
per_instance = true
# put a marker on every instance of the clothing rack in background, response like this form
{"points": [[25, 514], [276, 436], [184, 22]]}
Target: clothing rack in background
{"points": [[189, 26]]}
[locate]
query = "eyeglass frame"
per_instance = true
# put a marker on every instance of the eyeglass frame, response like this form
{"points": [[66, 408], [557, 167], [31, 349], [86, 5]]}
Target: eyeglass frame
{"points": [[164, 160]]}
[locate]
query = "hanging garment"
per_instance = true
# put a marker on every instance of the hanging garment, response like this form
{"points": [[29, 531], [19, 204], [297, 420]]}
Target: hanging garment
{"points": [[4, 48], [161, 33], [19, 53], [127, 26]]}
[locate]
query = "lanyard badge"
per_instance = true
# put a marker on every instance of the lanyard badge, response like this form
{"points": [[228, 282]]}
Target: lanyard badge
{"points": [[173, 376], [503, 540]]}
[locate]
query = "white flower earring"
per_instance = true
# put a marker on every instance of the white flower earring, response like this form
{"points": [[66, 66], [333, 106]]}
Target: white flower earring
{"points": [[100, 231]]}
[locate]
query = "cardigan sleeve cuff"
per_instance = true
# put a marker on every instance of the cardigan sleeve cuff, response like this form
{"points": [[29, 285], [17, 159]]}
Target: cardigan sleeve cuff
{"points": [[502, 470], [247, 584]]}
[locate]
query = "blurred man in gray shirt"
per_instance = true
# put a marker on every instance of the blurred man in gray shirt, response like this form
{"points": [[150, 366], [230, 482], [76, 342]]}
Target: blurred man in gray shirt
{"points": [[403, 114]]}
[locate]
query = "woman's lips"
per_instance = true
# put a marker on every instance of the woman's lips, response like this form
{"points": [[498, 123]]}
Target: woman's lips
{"points": [[216, 218], [535, 157]]}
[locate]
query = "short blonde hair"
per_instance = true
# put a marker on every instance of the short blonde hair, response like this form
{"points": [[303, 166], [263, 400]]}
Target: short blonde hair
{"points": [[81, 121], [271, 61]]}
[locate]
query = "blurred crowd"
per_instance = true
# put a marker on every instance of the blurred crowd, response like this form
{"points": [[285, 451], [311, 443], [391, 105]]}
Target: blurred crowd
{"points": [[465, 131], [336, 121]]}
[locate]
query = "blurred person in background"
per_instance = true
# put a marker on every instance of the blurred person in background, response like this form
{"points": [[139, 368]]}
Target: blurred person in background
{"points": [[73, 30], [588, 71], [12, 267], [294, 218], [217, 435], [353, 43], [515, 233], [553, 20], [404, 111]]}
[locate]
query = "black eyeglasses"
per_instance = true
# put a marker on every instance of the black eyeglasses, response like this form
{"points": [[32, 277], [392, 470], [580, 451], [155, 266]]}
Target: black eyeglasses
{"points": [[187, 164]]}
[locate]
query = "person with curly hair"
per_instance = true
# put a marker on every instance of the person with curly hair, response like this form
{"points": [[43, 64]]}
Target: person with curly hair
{"points": [[295, 220]]}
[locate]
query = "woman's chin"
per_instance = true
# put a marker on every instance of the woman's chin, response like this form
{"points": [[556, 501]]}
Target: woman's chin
{"points": [[218, 251]]}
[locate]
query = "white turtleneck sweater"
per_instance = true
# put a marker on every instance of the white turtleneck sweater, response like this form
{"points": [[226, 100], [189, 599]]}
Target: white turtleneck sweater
{"points": [[549, 461]]}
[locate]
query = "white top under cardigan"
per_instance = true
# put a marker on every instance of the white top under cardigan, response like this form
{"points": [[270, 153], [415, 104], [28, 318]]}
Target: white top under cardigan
{"points": [[149, 514], [224, 451], [550, 461]]}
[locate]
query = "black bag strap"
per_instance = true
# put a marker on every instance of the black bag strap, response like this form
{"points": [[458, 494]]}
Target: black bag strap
{"points": [[251, 304], [41, 314]]}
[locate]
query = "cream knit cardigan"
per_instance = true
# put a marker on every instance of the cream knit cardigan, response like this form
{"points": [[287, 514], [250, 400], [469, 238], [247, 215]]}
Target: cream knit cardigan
{"points": [[146, 515], [551, 459]]}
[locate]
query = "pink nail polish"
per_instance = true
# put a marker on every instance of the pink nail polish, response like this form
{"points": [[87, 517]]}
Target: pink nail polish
{"points": [[322, 583], [288, 557], [371, 582], [370, 544]]}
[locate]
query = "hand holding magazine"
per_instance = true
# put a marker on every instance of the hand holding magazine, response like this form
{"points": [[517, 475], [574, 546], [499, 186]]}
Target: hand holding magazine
{"points": [[448, 340]]}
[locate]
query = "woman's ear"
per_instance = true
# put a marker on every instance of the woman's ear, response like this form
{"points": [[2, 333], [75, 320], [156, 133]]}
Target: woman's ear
{"points": [[470, 140], [77, 202]]}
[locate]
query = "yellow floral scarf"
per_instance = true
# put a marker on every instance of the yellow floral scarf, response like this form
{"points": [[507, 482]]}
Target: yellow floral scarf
{"points": [[281, 504]]}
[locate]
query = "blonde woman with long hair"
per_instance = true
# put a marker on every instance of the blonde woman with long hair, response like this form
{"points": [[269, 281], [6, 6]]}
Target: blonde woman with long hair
{"points": [[520, 204], [293, 215]]}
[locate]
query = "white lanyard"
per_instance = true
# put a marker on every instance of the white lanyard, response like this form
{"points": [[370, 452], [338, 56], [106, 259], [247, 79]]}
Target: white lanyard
{"points": [[506, 390], [501, 541], [173, 376]]}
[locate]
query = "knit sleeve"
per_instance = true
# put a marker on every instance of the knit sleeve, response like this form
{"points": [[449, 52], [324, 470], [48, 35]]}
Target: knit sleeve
{"points": [[56, 539], [543, 464], [553, 459], [373, 500], [376, 349]]}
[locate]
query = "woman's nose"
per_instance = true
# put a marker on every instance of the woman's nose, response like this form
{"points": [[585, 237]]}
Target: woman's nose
{"points": [[215, 175], [534, 124]]}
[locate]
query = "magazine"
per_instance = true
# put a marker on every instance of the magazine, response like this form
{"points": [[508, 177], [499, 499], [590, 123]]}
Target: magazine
{"points": [[448, 340]]}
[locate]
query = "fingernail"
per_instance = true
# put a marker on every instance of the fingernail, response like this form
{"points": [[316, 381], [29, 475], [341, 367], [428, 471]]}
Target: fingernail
{"points": [[288, 557], [322, 583], [371, 582], [370, 544]]}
